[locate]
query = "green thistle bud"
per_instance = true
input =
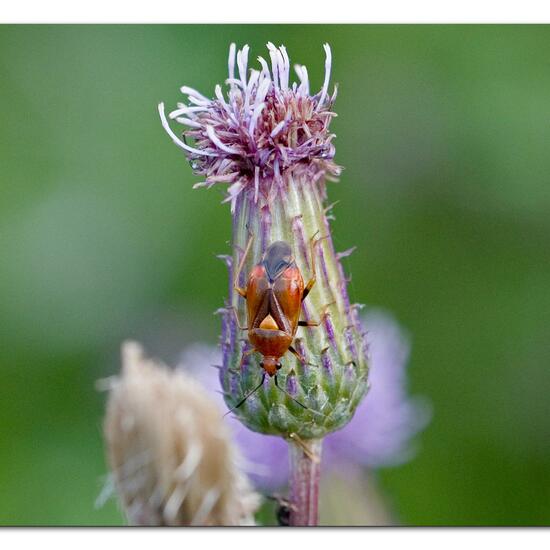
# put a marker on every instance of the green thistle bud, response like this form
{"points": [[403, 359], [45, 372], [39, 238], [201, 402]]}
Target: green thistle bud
{"points": [[270, 142]]}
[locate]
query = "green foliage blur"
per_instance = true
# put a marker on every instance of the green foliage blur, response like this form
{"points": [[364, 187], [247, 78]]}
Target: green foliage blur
{"points": [[444, 132]]}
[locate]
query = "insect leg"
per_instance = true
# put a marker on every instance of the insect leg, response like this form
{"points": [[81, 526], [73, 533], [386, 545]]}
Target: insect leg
{"points": [[312, 244], [309, 323], [237, 318], [316, 323], [240, 290], [300, 357], [284, 391]]}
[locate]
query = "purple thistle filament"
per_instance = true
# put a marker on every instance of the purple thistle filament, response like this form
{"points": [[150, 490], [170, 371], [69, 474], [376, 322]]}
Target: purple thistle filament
{"points": [[248, 138]]}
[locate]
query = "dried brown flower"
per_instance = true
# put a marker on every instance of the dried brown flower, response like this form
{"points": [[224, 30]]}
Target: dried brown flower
{"points": [[172, 458]]}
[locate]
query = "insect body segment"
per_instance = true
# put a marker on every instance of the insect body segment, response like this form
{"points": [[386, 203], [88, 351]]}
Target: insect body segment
{"points": [[274, 294]]}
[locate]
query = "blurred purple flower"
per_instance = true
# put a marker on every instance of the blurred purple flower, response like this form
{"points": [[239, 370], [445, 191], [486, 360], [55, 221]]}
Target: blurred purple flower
{"points": [[380, 432]]}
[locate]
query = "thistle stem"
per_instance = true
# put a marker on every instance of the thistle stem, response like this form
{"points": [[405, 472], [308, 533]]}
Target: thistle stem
{"points": [[305, 474]]}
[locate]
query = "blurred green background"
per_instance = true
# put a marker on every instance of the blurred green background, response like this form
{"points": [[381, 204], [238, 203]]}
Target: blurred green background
{"points": [[445, 135]]}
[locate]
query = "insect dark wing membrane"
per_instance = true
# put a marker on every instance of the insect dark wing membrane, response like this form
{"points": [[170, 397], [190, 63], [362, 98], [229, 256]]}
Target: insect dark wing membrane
{"points": [[276, 259]]}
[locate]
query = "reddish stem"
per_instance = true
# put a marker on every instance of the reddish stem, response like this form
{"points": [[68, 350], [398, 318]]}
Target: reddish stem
{"points": [[305, 474]]}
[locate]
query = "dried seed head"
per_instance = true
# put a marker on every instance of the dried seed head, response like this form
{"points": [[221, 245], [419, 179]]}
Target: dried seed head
{"points": [[269, 141], [171, 456]]}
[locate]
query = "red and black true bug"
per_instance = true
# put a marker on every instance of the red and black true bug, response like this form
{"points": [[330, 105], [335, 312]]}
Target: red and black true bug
{"points": [[274, 294]]}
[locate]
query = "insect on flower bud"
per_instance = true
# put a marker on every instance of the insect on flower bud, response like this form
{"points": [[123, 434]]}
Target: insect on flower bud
{"points": [[294, 352], [171, 456]]}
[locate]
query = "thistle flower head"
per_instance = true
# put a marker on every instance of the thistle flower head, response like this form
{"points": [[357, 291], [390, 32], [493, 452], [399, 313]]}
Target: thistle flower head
{"points": [[269, 141], [260, 128], [171, 456], [381, 432]]}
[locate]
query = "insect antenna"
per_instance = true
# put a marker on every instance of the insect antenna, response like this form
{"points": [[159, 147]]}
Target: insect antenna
{"points": [[246, 396], [284, 391]]}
